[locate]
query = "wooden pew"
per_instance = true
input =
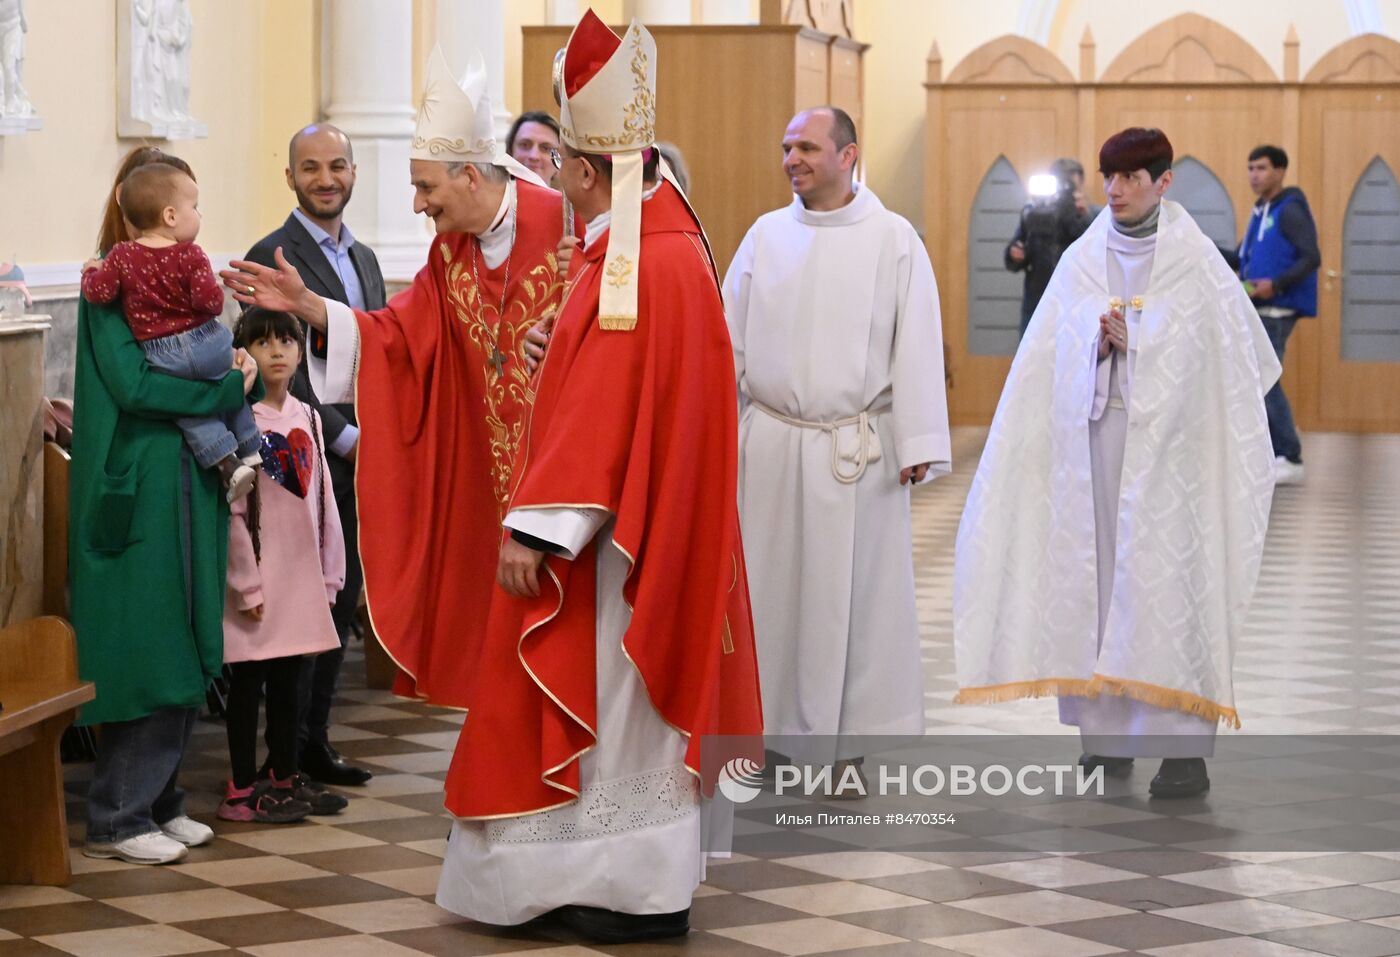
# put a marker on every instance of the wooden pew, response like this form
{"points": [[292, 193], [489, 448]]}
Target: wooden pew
{"points": [[55, 530], [39, 696]]}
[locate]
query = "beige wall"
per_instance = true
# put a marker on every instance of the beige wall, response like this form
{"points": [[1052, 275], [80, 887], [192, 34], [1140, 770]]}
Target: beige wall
{"points": [[247, 84], [900, 34]]}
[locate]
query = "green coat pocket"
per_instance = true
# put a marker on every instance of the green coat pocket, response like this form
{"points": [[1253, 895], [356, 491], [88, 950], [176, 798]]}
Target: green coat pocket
{"points": [[111, 525]]}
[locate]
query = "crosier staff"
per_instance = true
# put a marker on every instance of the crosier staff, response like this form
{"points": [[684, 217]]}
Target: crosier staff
{"points": [[558, 75], [537, 339]]}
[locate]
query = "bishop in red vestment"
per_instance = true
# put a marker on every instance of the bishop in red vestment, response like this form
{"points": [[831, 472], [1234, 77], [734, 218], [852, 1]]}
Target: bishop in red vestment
{"points": [[621, 635], [440, 385]]}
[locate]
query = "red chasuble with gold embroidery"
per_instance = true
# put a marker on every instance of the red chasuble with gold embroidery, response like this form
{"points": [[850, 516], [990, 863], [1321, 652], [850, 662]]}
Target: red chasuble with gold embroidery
{"points": [[642, 423], [440, 421]]}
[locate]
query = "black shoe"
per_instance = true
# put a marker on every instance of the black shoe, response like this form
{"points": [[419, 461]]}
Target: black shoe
{"points": [[1180, 778], [1115, 767], [320, 800], [323, 763], [610, 927]]}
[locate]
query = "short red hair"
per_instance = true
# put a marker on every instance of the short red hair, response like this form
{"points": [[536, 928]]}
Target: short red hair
{"points": [[1136, 148]]}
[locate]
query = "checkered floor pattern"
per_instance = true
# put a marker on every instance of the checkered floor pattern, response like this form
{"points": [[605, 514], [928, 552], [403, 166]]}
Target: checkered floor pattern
{"points": [[1322, 655]]}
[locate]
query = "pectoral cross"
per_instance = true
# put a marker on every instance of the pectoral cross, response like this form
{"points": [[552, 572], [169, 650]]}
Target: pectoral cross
{"points": [[498, 359]]}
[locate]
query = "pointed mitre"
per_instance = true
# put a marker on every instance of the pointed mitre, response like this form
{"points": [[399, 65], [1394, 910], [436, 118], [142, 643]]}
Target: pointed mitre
{"points": [[455, 122], [607, 105]]}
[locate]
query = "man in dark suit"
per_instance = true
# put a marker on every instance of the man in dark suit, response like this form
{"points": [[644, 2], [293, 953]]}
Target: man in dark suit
{"points": [[321, 171]]}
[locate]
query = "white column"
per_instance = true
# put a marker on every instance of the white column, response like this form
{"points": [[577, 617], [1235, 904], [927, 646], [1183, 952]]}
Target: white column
{"points": [[466, 25], [563, 13], [370, 96], [726, 11], [656, 13]]}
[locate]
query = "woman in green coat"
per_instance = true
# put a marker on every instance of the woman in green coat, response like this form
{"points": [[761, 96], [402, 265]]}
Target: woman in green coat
{"points": [[147, 559]]}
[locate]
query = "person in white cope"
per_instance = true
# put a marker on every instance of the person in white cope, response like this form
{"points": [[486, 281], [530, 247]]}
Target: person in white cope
{"points": [[439, 380], [1113, 533], [833, 312]]}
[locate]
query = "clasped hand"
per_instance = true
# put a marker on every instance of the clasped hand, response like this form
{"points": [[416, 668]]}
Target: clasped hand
{"points": [[1113, 332]]}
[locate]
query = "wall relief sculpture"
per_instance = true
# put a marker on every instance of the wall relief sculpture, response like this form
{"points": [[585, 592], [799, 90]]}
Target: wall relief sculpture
{"points": [[153, 70]]}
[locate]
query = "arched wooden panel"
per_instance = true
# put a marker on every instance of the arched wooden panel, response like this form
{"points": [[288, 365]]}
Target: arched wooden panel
{"points": [[1217, 98], [993, 292], [1369, 58], [1198, 189], [1012, 60], [1189, 48], [1371, 268]]}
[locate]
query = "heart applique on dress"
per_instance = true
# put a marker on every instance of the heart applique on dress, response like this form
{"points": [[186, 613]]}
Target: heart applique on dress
{"points": [[288, 460]]}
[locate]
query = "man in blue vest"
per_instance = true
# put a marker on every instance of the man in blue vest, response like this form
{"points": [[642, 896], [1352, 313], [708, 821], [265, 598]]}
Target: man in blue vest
{"points": [[1278, 263]]}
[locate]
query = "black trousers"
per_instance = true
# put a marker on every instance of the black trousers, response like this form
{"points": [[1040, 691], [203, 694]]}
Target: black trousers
{"points": [[247, 681]]}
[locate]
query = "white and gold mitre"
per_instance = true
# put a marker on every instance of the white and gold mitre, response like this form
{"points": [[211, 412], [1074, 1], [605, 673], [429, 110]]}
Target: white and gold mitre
{"points": [[608, 100], [455, 122], [607, 105]]}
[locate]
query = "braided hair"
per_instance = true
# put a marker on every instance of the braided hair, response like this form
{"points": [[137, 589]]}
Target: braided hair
{"points": [[258, 323]]}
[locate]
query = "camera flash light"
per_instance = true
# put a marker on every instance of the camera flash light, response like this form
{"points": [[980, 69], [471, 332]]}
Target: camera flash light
{"points": [[1043, 184]]}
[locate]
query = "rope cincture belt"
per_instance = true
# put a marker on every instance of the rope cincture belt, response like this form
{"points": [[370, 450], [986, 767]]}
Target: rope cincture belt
{"points": [[868, 439]]}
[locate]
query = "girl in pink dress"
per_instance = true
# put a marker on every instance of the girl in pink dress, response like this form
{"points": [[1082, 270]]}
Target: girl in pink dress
{"points": [[286, 563]]}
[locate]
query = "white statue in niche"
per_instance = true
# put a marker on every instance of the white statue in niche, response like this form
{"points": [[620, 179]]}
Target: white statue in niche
{"points": [[173, 52], [160, 52], [154, 67], [14, 101]]}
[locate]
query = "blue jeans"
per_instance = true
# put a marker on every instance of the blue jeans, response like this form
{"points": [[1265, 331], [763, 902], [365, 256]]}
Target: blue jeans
{"points": [[206, 354], [1281, 429], [134, 790]]}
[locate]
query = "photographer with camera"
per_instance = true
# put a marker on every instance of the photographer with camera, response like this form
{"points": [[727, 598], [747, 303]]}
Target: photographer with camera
{"points": [[1049, 223]]}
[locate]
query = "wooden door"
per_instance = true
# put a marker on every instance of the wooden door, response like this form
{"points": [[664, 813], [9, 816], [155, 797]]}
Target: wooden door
{"points": [[1006, 112], [1351, 155]]}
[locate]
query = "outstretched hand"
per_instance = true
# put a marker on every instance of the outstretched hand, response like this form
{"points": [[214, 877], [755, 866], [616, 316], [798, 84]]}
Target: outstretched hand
{"points": [[253, 284]]}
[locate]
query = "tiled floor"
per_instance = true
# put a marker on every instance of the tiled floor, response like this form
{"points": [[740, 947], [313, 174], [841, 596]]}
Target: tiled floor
{"points": [[1322, 656]]}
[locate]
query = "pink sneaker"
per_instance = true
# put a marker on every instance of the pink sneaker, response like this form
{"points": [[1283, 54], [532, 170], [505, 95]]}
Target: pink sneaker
{"points": [[262, 803]]}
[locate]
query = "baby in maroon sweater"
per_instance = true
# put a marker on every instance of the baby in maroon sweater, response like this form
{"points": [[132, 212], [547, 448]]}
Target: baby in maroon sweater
{"points": [[172, 302]]}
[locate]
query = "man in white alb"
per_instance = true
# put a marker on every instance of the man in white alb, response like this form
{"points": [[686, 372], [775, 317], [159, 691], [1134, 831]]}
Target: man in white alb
{"points": [[833, 313]]}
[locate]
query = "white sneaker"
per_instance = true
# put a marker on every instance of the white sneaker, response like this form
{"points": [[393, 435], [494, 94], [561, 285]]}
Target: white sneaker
{"points": [[240, 483], [1286, 472], [153, 847], [188, 831]]}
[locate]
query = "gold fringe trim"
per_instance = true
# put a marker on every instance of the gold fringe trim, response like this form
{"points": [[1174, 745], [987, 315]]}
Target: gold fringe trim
{"points": [[1043, 688], [1155, 695], [1169, 698], [617, 323]]}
